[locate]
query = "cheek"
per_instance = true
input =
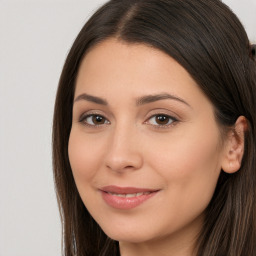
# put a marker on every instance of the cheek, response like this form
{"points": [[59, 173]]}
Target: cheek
{"points": [[83, 156], [190, 163], [189, 167]]}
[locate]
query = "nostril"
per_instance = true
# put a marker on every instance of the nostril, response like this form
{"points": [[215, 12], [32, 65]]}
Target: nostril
{"points": [[129, 167], [121, 165], [121, 169]]}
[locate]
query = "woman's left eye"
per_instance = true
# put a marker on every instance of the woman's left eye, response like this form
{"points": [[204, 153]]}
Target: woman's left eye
{"points": [[161, 120]]}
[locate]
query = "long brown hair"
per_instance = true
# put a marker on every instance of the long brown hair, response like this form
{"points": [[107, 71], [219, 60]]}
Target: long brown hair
{"points": [[208, 40]]}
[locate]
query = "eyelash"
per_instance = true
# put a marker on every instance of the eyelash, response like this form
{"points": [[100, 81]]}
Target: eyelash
{"points": [[171, 120], [86, 123]]}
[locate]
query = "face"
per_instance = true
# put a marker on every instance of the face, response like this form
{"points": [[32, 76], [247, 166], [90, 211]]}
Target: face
{"points": [[144, 146]]}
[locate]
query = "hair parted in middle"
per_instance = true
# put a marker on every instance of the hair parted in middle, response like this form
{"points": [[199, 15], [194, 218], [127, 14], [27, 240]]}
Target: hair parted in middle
{"points": [[208, 40]]}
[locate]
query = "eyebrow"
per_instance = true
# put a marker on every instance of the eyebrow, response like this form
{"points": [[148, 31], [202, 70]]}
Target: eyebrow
{"points": [[163, 96], [139, 102], [91, 98]]}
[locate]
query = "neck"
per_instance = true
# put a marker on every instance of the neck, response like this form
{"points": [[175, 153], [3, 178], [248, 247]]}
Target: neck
{"points": [[152, 249]]}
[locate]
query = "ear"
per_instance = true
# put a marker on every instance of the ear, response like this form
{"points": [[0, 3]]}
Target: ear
{"points": [[234, 146]]}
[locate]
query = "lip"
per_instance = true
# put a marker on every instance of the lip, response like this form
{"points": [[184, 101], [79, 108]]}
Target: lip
{"points": [[116, 197]]}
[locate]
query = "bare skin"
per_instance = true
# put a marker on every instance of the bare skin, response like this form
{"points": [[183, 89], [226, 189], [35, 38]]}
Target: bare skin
{"points": [[141, 121]]}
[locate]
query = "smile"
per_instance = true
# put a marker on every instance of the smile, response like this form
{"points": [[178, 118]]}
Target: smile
{"points": [[129, 195], [126, 198]]}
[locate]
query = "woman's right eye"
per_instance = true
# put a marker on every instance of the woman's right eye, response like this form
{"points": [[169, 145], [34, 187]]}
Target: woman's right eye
{"points": [[94, 120]]}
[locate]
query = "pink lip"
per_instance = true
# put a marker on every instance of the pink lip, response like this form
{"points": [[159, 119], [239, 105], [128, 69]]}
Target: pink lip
{"points": [[125, 203]]}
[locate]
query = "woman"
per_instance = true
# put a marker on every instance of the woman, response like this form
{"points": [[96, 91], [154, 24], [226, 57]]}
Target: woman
{"points": [[154, 132]]}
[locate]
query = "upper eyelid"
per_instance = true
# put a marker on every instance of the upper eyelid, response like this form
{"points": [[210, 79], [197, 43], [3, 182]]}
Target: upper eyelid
{"points": [[169, 116], [92, 112], [149, 115], [85, 115], [165, 112]]}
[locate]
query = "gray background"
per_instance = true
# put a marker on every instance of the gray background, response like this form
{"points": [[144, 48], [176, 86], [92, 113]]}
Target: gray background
{"points": [[35, 37]]}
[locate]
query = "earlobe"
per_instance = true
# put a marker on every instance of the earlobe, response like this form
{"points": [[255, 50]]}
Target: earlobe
{"points": [[234, 148]]}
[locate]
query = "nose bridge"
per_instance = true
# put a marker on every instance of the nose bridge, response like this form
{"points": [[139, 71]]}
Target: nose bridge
{"points": [[123, 151]]}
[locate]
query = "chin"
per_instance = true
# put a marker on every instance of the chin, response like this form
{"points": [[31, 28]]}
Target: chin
{"points": [[128, 234], [124, 234]]}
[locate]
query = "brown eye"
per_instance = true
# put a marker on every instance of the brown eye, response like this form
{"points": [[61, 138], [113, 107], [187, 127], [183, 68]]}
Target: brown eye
{"points": [[94, 120], [98, 120], [161, 120]]}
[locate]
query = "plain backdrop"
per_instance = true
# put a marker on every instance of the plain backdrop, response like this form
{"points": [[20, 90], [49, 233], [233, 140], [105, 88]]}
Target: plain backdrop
{"points": [[35, 37]]}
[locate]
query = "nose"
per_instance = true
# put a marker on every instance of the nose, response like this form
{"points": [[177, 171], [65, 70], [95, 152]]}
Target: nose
{"points": [[123, 150]]}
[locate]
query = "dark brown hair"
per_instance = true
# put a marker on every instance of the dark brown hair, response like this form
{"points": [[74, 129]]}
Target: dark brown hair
{"points": [[208, 40]]}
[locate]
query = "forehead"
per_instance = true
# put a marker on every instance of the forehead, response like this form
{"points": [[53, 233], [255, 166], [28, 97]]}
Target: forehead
{"points": [[116, 68], [111, 58]]}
